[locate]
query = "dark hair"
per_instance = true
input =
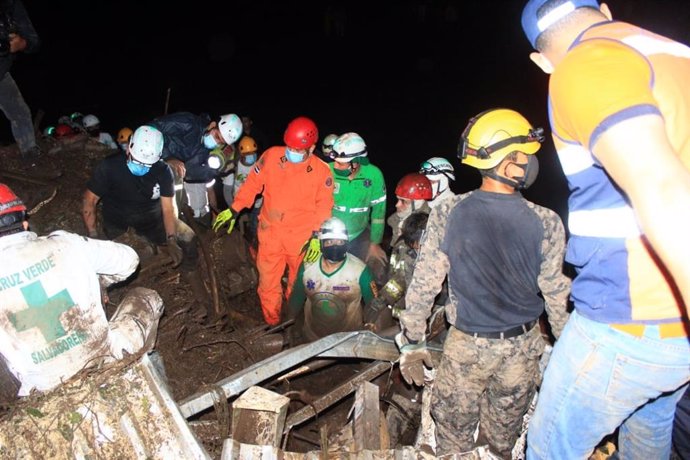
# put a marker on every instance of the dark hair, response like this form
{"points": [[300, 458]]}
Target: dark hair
{"points": [[413, 227], [546, 37]]}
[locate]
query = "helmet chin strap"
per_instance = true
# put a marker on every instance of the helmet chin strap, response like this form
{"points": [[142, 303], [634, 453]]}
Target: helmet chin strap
{"points": [[504, 180]]}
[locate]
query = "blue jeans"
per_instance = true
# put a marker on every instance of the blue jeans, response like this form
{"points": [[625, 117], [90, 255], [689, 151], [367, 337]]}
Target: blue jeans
{"points": [[599, 378], [18, 113]]}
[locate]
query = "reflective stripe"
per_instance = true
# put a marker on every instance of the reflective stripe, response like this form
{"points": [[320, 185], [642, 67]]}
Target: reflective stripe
{"points": [[377, 221], [359, 209], [210, 184], [340, 208], [179, 187], [604, 223], [574, 159], [649, 46], [379, 200]]}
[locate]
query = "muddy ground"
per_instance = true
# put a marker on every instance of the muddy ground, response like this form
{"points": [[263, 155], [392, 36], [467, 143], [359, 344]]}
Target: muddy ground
{"points": [[196, 352]]}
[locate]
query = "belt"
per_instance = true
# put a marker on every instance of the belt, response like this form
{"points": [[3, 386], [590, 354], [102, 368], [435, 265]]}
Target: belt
{"points": [[507, 334], [666, 330]]}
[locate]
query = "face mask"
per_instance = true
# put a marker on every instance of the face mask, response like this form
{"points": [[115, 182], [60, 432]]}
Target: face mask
{"points": [[123, 147], [361, 160], [335, 253], [249, 159], [341, 172], [209, 141], [294, 157], [531, 169], [137, 169]]}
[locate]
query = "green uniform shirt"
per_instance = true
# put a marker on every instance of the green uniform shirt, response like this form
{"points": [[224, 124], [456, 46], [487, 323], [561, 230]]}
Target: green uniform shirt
{"points": [[357, 199], [332, 302]]}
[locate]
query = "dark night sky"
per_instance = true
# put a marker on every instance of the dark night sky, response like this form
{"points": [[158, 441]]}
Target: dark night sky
{"points": [[407, 85]]}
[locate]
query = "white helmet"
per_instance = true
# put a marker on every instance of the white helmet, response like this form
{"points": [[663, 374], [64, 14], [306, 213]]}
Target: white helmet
{"points": [[437, 166], [327, 144], [146, 145], [333, 229], [230, 127], [90, 121], [438, 170], [347, 147]]}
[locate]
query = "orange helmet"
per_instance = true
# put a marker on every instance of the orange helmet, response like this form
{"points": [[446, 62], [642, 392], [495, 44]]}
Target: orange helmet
{"points": [[248, 146], [123, 135]]}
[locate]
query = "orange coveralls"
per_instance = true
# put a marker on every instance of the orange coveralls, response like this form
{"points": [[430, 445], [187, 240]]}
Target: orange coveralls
{"points": [[298, 197]]}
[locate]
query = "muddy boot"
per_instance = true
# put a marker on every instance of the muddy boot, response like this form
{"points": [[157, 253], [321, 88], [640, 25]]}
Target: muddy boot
{"points": [[193, 278]]}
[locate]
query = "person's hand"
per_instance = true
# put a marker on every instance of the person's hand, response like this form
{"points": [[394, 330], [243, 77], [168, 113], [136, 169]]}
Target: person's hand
{"points": [[413, 358], [17, 43], [222, 218], [177, 167], [377, 253], [174, 251], [313, 248]]}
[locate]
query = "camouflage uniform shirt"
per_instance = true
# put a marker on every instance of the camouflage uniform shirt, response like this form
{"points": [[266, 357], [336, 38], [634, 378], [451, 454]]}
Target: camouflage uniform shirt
{"points": [[462, 241]]}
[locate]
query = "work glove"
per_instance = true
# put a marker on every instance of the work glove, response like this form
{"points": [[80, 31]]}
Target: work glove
{"points": [[224, 217], [413, 358], [313, 248], [174, 251]]}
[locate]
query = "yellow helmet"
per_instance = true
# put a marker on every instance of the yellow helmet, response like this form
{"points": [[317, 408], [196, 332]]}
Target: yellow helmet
{"points": [[247, 146], [495, 133], [123, 135]]}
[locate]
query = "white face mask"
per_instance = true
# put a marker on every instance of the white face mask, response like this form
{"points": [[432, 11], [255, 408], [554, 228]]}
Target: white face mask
{"points": [[209, 141], [293, 156]]}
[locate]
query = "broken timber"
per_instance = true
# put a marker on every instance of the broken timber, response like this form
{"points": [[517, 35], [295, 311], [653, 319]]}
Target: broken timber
{"points": [[356, 344]]}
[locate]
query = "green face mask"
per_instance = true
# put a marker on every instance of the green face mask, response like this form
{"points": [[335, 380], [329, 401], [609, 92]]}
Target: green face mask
{"points": [[341, 172]]}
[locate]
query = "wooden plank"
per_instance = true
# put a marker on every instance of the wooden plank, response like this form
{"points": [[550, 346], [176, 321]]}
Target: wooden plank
{"points": [[366, 419]]}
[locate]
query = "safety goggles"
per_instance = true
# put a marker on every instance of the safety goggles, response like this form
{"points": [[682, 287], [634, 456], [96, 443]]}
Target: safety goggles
{"points": [[428, 168], [335, 155], [140, 163]]}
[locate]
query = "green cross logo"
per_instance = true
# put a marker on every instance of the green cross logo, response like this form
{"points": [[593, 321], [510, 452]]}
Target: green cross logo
{"points": [[43, 312]]}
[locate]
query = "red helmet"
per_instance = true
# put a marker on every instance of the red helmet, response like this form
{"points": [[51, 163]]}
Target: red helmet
{"points": [[10, 203], [63, 130], [414, 186], [301, 133]]}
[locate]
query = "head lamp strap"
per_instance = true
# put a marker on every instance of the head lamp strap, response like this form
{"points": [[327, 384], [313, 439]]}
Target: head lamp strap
{"points": [[534, 135]]}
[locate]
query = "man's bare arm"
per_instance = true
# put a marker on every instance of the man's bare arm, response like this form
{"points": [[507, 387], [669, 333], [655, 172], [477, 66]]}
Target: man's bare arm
{"points": [[640, 158]]}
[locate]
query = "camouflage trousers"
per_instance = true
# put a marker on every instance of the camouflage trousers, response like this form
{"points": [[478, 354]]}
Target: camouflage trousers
{"points": [[485, 381]]}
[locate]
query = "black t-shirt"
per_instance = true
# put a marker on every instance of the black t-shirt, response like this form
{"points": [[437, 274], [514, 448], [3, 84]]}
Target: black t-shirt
{"points": [[126, 196], [494, 244]]}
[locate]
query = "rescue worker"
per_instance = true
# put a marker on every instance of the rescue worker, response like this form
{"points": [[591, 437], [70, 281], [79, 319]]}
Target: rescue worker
{"points": [[123, 137], [92, 125], [439, 171], [503, 257], [189, 140], [412, 193], [327, 146], [400, 269], [297, 188], [247, 157], [360, 201], [619, 101], [54, 324], [330, 290], [137, 191]]}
